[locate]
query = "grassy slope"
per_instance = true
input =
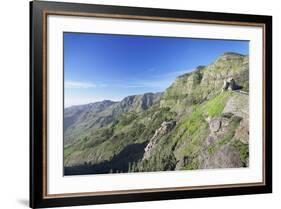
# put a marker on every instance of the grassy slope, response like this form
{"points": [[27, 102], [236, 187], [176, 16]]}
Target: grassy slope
{"points": [[186, 139], [190, 100]]}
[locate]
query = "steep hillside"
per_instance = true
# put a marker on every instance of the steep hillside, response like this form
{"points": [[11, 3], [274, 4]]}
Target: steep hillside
{"points": [[80, 120], [75, 114], [199, 122], [206, 81]]}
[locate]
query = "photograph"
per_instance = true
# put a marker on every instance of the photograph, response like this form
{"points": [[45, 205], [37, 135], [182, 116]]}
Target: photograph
{"points": [[136, 103], [132, 104]]}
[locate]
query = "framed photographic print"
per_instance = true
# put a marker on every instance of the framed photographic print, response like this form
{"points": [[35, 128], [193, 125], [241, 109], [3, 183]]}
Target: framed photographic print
{"points": [[140, 104]]}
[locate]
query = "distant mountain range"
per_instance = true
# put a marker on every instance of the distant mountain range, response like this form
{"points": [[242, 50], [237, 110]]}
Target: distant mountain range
{"points": [[200, 121], [83, 118]]}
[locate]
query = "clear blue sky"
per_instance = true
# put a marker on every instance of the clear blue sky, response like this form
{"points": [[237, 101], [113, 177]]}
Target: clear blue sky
{"points": [[99, 66]]}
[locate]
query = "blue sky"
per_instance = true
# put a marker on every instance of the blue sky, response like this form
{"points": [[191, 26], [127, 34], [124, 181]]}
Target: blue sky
{"points": [[101, 66]]}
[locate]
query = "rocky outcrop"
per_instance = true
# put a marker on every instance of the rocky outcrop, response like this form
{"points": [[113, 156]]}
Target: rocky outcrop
{"points": [[139, 102], [230, 84], [166, 127], [230, 71], [242, 132], [219, 149], [225, 157], [215, 124], [238, 105]]}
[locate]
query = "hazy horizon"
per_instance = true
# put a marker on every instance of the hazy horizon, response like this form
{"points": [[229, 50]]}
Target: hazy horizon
{"points": [[111, 100]]}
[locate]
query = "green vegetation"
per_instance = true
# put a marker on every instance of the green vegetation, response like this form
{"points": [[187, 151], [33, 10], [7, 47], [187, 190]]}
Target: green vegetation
{"points": [[162, 161], [113, 139], [193, 165], [215, 106], [243, 150], [212, 149], [234, 123], [125, 119]]}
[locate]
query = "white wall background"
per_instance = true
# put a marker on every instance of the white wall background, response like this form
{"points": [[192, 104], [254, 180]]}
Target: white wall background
{"points": [[14, 102]]}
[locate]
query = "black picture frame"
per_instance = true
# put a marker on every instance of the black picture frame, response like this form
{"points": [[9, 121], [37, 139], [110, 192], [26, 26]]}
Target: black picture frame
{"points": [[38, 12]]}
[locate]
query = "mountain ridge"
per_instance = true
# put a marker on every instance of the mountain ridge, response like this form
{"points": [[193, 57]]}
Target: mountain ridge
{"points": [[200, 67], [102, 113], [209, 126]]}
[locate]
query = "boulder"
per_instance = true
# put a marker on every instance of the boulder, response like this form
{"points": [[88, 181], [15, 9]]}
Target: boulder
{"points": [[225, 157], [217, 150], [215, 125], [238, 105], [242, 132], [230, 84]]}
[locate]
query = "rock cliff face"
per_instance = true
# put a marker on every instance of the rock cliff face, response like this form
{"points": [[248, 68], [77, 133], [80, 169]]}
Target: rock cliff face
{"points": [[164, 129], [200, 122], [139, 103], [217, 150], [207, 81]]}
